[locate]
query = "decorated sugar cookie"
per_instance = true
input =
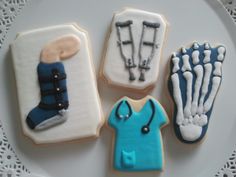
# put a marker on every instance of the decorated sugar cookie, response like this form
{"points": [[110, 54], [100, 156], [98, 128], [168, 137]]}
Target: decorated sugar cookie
{"points": [[56, 84], [138, 140], [194, 81], [133, 50]]}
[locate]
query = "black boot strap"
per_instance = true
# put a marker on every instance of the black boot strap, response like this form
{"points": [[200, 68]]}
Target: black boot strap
{"points": [[57, 90], [54, 77], [57, 106]]}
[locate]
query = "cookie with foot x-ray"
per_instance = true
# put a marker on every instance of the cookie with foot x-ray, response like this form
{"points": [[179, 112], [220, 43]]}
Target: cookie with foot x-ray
{"points": [[56, 84], [133, 50], [194, 81]]}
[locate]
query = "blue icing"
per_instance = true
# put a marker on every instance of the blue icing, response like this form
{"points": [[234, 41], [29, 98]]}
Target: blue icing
{"points": [[45, 70], [128, 159], [134, 150], [182, 81], [38, 114]]}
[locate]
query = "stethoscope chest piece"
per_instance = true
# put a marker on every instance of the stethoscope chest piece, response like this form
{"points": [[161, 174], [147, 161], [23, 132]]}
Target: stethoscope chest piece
{"points": [[145, 129]]}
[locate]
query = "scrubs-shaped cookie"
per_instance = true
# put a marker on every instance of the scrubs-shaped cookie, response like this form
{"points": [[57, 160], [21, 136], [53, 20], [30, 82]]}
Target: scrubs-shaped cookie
{"points": [[194, 81], [138, 140], [133, 50], [56, 84]]}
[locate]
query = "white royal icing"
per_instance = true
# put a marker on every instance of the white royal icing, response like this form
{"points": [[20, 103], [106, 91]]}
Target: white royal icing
{"points": [[217, 70], [221, 52], [195, 45], [197, 86], [215, 85], [178, 98], [195, 57], [207, 46], [205, 85], [189, 78], [186, 64], [207, 55], [183, 50], [175, 61], [85, 115], [190, 132]]}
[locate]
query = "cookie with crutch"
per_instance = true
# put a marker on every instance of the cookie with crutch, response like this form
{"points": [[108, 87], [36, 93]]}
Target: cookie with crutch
{"points": [[132, 52]]}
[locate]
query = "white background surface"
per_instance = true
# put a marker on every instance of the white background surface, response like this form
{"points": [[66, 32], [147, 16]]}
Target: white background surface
{"points": [[189, 20]]}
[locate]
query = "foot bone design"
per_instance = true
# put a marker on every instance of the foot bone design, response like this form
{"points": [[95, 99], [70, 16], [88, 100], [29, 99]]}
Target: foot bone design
{"points": [[196, 75]]}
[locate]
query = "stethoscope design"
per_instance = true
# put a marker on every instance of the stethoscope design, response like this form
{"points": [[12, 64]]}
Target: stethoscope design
{"points": [[145, 128]]}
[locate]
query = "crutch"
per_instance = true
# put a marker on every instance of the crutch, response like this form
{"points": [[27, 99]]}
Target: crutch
{"points": [[129, 61], [144, 62]]}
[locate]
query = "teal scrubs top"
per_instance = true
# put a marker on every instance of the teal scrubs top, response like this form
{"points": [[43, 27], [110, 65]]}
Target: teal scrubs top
{"points": [[133, 149]]}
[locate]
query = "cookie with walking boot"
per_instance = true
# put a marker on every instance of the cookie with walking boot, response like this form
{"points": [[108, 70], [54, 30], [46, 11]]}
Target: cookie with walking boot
{"points": [[56, 84]]}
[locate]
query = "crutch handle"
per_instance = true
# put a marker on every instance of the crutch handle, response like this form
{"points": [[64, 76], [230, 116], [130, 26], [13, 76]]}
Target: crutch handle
{"points": [[152, 25], [124, 24]]}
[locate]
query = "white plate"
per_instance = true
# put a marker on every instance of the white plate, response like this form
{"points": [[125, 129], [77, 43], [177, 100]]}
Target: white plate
{"points": [[189, 20]]}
